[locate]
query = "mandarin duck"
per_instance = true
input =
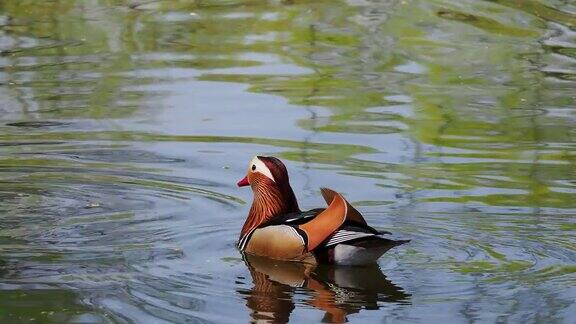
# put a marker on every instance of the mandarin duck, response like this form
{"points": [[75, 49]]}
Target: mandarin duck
{"points": [[278, 229]]}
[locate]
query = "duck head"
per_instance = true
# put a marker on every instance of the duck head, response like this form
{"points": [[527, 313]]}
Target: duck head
{"points": [[273, 195]]}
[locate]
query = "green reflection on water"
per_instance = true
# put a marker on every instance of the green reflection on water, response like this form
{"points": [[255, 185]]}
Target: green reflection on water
{"points": [[47, 306]]}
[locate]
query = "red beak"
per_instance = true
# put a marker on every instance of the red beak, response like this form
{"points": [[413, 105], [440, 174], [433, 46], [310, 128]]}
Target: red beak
{"points": [[244, 182]]}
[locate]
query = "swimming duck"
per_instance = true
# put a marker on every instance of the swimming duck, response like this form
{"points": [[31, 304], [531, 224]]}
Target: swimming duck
{"points": [[278, 229]]}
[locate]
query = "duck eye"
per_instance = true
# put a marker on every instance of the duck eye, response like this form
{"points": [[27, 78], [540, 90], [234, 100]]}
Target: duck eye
{"points": [[253, 167]]}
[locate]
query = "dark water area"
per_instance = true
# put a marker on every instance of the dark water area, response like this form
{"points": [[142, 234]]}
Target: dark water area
{"points": [[126, 124]]}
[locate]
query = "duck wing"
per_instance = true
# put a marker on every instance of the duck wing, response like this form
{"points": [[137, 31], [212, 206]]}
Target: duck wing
{"points": [[353, 245], [352, 214], [348, 233], [325, 223], [325, 228], [294, 218]]}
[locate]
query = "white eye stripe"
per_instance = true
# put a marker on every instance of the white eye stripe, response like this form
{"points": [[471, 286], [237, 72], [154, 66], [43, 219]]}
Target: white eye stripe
{"points": [[261, 167]]}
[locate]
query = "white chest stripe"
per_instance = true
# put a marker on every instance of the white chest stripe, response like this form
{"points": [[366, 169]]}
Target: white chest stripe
{"points": [[244, 240], [298, 234]]}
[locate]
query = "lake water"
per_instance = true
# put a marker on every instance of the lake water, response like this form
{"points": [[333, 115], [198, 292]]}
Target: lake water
{"points": [[125, 126]]}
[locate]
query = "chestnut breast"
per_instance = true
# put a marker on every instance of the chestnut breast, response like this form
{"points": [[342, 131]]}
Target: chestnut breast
{"points": [[278, 242]]}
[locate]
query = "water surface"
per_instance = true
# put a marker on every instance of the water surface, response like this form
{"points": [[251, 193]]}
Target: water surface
{"points": [[126, 124]]}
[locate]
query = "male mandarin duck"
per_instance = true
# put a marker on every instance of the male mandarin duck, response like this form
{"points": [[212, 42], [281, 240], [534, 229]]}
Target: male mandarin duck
{"points": [[276, 228]]}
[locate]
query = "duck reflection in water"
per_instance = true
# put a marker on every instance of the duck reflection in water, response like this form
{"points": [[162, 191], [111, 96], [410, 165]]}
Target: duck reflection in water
{"points": [[337, 290]]}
